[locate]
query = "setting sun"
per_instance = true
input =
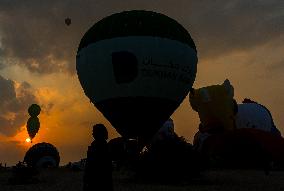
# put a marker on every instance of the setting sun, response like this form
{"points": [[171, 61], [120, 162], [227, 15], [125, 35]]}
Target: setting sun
{"points": [[28, 140]]}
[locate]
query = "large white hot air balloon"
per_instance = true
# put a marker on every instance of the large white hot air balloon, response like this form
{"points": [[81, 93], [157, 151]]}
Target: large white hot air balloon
{"points": [[137, 67]]}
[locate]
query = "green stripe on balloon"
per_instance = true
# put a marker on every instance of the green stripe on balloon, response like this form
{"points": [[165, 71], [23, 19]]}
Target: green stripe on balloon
{"points": [[136, 23]]}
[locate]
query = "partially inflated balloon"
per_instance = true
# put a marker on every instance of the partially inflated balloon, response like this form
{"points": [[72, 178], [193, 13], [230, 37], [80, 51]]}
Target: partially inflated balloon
{"points": [[256, 116], [137, 67], [42, 155], [34, 110]]}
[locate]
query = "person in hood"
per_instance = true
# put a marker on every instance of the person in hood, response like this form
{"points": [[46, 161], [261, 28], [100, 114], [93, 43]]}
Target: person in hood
{"points": [[98, 170]]}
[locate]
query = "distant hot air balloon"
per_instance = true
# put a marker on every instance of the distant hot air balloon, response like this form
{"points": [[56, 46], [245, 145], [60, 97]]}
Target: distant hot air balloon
{"points": [[33, 123], [67, 21], [137, 67], [34, 110]]}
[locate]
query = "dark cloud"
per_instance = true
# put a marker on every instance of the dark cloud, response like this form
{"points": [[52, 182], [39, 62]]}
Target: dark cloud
{"points": [[34, 32], [225, 26], [14, 101], [47, 108]]}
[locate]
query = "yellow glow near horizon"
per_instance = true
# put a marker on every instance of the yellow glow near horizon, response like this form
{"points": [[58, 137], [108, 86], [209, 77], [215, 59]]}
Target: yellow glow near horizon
{"points": [[28, 140]]}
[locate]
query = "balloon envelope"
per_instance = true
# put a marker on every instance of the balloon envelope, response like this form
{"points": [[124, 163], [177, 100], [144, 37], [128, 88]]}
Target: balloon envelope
{"points": [[215, 106], [42, 155], [253, 115], [34, 110], [67, 21], [245, 146], [33, 125], [136, 67]]}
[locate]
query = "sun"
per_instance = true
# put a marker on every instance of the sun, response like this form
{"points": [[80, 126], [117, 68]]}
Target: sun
{"points": [[28, 140]]}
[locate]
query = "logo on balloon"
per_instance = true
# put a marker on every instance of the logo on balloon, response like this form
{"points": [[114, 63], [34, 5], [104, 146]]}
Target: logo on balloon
{"points": [[125, 67]]}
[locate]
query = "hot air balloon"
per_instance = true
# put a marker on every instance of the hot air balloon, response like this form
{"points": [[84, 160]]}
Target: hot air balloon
{"points": [[232, 134], [215, 106], [136, 67], [33, 123], [68, 21], [34, 110], [42, 155], [254, 115]]}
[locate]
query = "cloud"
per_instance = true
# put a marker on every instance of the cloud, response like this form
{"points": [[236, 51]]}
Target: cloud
{"points": [[226, 26], [32, 35], [14, 101], [35, 35], [277, 66], [1, 59]]}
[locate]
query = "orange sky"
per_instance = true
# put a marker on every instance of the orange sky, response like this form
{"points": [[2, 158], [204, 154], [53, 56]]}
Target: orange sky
{"points": [[254, 67]]}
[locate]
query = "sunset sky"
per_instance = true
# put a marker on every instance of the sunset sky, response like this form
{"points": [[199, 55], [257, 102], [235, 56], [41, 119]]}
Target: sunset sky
{"points": [[239, 40]]}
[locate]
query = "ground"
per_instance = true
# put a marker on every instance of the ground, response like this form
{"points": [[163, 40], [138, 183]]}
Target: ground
{"points": [[219, 180]]}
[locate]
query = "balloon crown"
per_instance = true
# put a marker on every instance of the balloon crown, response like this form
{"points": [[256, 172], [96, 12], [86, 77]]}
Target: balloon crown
{"points": [[136, 23]]}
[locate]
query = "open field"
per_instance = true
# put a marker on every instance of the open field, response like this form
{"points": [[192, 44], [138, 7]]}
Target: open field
{"points": [[221, 180]]}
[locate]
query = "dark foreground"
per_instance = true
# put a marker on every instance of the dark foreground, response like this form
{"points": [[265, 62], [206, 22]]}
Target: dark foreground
{"points": [[221, 180]]}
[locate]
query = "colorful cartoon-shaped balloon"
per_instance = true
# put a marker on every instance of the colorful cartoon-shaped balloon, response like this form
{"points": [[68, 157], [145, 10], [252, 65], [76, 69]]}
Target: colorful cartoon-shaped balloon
{"points": [[137, 67], [215, 105], [229, 131]]}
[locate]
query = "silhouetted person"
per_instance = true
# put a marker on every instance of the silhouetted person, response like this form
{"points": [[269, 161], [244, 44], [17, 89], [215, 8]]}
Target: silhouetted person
{"points": [[98, 170]]}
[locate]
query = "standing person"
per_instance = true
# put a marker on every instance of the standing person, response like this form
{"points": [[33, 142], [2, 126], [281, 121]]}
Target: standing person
{"points": [[98, 170]]}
